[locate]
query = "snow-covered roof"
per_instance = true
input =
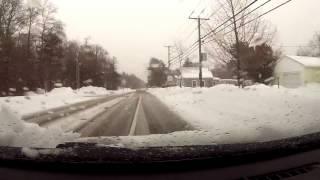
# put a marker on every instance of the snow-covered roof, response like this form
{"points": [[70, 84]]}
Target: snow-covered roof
{"points": [[193, 72], [306, 61]]}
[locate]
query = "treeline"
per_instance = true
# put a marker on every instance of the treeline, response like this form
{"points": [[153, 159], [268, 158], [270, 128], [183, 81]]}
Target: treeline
{"points": [[131, 81], [35, 52], [158, 71]]}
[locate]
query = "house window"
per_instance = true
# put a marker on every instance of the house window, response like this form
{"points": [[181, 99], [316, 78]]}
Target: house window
{"points": [[203, 83], [194, 83]]}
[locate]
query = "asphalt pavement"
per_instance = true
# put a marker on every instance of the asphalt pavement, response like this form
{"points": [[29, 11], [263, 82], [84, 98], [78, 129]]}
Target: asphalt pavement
{"points": [[139, 114]]}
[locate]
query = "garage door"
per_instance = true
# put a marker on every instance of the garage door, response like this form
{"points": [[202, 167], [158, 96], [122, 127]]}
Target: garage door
{"points": [[291, 79]]}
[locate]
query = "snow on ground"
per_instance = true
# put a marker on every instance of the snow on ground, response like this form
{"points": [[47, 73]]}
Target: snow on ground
{"points": [[92, 91], [15, 132], [25, 105], [70, 123], [256, 113], [222, 114]]}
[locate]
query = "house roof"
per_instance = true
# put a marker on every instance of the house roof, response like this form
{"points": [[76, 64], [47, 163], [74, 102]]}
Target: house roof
{"points": [[193, 72], [306, 61]]}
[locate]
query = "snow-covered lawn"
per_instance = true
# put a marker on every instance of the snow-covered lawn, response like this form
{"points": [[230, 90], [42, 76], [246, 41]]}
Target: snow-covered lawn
{"points": [[255, 113]]}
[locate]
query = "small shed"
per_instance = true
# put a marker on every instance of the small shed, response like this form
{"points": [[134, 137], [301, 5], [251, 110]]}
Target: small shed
{"points": [[190, 77], [296, 71]]}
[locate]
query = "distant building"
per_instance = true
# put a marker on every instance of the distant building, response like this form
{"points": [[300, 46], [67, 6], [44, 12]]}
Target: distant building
{"points": [[296, 71], [172, 80], [190, 77]]}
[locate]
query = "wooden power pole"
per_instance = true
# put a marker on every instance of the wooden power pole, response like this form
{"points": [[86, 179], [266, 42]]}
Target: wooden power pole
{"points": [[200, 46], [169, 54]]}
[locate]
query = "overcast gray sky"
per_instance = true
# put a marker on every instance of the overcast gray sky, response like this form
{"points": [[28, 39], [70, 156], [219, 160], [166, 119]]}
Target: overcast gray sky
{"points": [[135, 30]]}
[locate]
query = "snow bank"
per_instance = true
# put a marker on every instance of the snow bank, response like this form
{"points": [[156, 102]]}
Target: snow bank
{"points": [[92, 91], [15, 132], [255, 113], [123, 91], [61, 91], [29, 104], [99, 91]]}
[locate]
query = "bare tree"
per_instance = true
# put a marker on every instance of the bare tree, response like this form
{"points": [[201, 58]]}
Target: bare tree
{"points": [[32, 13], [47, 23], [313, 48], [182, 52], [225, 37], [223, 44]]}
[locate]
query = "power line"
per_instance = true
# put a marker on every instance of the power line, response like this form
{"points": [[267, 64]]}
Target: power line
{"points": [[191, 48], [282, 4], [195, 44], [194, 30], [189, 51], [248, 22], [215, 11], [185, 55], [261, 5], [188, 37], [192, 12], [229, 19], [212, 14], [199, 43]]}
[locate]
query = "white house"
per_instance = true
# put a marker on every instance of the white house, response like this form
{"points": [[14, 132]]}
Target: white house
{"points": [[295, 71], [190, 77]]}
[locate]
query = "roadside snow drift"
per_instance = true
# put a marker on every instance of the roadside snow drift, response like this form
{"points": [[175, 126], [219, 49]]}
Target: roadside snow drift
{"points": [[15, 132], [25, 105], [256, 113]]}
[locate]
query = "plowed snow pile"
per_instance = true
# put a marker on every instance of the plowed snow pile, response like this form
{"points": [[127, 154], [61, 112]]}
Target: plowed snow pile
{"points": [[24, 105], [16, 132], [255, 113]]}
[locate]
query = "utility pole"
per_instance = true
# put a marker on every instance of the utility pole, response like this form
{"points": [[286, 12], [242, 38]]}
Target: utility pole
{"points": [[200, 44], [77, 70], [169, 54], [180, 63], [237, 44]]}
